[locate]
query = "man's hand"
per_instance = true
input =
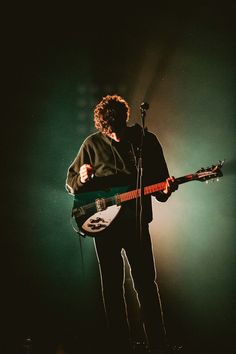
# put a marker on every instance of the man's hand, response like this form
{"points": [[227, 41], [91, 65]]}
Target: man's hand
{"points": [[171, 185], [86, 171]]}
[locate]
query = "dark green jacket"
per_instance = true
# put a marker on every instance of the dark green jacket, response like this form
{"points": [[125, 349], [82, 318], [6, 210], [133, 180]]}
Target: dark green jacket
{"points": [[115, 164]]}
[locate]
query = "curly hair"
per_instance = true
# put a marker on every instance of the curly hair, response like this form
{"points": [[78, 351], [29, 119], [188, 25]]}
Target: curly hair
{"points": [[111, 114]]}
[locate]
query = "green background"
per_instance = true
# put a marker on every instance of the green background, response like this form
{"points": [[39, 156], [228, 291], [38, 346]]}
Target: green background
{"points": [[58, 63]]}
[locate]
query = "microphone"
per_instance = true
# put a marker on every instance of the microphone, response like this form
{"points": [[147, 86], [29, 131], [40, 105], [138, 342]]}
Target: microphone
{"points": [[144, 106]]}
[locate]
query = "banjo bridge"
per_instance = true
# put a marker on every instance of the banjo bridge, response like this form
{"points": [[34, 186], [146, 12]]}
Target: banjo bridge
{"points": [[100, 204]]}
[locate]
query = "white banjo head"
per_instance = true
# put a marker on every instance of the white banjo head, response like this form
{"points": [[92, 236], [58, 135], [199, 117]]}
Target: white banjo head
{"points": [[101, 220]]}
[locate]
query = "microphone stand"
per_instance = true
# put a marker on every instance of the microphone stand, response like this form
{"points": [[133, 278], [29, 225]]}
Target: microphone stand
{"points": [[143, 107]]}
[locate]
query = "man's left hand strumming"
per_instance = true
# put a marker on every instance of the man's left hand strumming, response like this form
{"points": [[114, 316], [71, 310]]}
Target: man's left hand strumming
{"points": [[171, 186]]}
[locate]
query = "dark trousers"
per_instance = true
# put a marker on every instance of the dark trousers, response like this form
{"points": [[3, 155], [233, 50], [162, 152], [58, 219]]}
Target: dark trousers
{"points": [[138, 250]]}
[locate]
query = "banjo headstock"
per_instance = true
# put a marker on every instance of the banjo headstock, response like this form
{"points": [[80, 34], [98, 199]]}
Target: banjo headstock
{"points": [[213, 172]]}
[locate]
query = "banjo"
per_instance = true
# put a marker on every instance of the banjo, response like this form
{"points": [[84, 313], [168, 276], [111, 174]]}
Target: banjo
{"points": [[95, 211]]}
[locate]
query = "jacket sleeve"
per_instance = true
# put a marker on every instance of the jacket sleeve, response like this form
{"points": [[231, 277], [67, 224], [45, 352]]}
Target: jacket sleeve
{"points": [[73, 183], [159, 167]]}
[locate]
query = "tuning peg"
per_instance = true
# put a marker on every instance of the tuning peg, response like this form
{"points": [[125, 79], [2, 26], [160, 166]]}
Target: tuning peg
{"points": [[201, 170]]}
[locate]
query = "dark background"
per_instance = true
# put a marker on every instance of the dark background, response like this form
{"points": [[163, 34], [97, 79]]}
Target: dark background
{"points": [[57, 62]]}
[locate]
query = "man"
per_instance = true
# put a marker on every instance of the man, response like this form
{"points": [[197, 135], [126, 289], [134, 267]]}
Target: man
{"points": [[118, 155]]}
